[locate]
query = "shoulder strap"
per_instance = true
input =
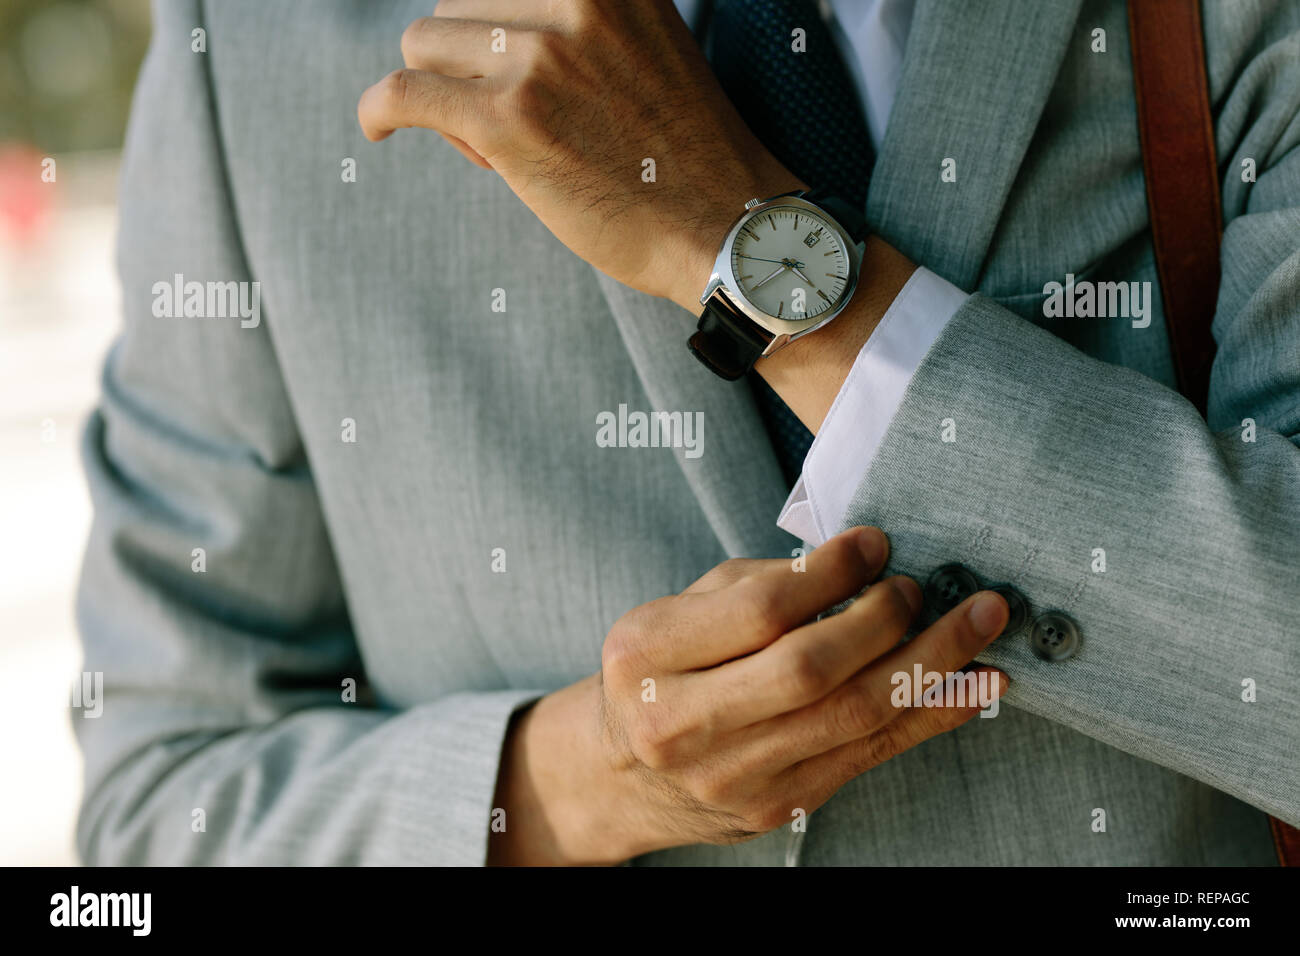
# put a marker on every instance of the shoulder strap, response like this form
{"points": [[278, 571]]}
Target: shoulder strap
{"points": [[1182, 179]]}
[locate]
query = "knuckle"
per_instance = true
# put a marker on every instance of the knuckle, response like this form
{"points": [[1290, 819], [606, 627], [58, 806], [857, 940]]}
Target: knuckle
{"points": [[886, 606], [649, 748], [652, 742], [854, 714], [733, 569], [396, 89], [413, 37], [623, 653], [614, 652], [805, 676], [759, 605], [889, 742], [720, 575], [542, 54], [708, 786], [874, 750]]}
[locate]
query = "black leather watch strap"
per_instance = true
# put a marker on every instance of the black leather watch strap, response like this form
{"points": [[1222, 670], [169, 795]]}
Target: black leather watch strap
{"points": [[727, 342]]}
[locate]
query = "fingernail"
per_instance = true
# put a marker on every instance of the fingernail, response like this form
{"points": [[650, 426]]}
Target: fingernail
{"points": [[910, 590], [872, 543], [987, 614]]}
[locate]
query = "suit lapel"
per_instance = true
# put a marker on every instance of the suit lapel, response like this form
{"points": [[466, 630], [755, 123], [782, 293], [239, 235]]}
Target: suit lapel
{"points": [[974, 82], [737, 479]]}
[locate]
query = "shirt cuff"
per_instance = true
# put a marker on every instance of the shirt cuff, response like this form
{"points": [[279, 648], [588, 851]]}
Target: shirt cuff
{"points": [[848, 440]]}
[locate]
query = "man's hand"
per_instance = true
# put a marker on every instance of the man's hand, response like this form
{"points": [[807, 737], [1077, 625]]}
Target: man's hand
{"points": [[758, 709], [567, 102]]}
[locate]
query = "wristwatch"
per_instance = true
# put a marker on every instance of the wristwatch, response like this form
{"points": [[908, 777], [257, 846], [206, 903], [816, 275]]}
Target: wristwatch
{"points": [[788, 266]]}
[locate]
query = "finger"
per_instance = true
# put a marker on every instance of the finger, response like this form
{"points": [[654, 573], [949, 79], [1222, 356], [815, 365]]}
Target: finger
{"points": [[515, 12], [825, 773], [460, 48], [862, 706], [408, 98], [810, 662], [731, 571], [834, 572], [950, 643], [467, 151], [758, 608]]}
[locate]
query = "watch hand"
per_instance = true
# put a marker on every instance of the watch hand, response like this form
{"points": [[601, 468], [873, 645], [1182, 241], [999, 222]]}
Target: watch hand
{"points": [[741, 255], [786, 262], [797, 271], [769, 278]]}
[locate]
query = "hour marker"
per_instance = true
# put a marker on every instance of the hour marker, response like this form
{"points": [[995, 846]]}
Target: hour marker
{"points": [[823, 295], [772, 220], [833, 252], [834, 276], [780, 308], [751, 275]]}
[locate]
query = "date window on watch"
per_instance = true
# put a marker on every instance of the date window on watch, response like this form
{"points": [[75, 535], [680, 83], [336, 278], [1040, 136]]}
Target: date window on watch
{"points": [[812, 238]]}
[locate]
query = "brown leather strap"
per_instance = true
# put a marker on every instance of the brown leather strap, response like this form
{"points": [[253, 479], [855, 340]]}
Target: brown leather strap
{"points": [[1286, 839], [1173, 105], [1174, 121]]}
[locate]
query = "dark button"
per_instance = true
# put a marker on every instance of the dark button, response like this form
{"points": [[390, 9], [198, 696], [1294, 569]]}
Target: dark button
{"points": [[1016, 603], [1054, 636], [948, 587]]}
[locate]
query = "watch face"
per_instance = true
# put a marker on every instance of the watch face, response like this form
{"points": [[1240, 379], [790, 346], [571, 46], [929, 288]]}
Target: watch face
{"points": [[790, 264]]}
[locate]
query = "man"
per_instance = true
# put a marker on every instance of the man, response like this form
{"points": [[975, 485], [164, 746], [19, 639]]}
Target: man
{"points": [[355, 566]]}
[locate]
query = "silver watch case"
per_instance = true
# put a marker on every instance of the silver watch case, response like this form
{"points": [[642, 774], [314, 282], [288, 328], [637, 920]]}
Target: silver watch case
{"points": [[723, 281]]}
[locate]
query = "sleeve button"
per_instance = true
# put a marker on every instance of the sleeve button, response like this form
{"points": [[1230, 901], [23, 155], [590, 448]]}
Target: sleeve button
{"points": [[1055, 636], [947, 587]]}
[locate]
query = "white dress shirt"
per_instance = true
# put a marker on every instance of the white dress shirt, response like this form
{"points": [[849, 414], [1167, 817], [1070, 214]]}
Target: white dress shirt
{"points": [[871, 36]]}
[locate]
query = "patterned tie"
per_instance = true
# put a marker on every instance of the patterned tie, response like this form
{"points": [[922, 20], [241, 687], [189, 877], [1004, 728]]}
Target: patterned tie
{"points": [[804, 108]]}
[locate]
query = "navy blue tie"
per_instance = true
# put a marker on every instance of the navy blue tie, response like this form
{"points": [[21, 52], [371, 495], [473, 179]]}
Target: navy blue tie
{"points": [[803, 107]]}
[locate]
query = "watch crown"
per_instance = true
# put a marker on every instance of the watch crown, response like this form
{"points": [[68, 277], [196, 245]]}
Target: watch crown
{"points": [[752, 203]]}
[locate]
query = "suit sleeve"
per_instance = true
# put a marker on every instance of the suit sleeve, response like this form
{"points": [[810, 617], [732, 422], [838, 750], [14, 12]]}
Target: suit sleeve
{"points": [[1191, 635], [225, 737]]}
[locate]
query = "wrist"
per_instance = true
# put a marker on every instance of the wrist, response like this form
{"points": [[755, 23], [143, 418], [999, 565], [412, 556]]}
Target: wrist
{"points": [[693, 247], [809, 372], [565, 801]]}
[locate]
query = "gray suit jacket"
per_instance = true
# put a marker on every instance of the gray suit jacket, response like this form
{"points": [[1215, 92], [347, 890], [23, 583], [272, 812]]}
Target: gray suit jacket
{"points": [[475, 430]]}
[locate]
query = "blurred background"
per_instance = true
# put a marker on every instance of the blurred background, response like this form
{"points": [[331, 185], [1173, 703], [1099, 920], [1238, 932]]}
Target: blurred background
{"points": [[67, 69]]}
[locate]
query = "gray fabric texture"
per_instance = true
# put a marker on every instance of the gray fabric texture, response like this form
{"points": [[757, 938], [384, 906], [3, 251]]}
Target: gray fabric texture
{"points": [[475, 430]]}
